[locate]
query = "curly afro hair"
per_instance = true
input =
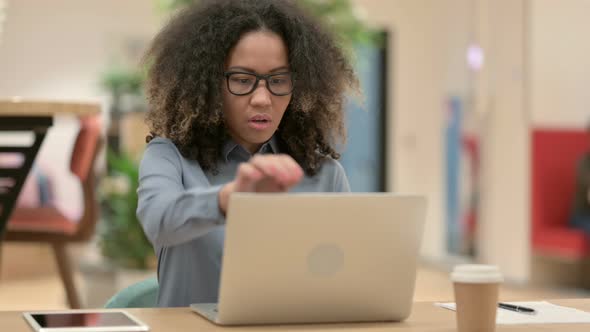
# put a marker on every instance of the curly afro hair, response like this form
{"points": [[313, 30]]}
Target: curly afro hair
{"points": [[185, 79]]}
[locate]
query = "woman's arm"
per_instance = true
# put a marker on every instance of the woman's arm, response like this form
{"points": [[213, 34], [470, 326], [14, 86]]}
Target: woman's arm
{"points": [[169, 213]]}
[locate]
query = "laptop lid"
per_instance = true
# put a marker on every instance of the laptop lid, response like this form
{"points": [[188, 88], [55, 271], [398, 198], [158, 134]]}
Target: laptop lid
{"points": [[325, 257]]}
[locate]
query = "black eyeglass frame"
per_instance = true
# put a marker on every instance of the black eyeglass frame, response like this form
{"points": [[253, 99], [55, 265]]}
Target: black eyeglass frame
{"points": [[258, 78]]}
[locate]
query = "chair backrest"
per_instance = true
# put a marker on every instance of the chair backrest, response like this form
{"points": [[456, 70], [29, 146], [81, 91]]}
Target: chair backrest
{"points": [[555, 157], [143, 294], [86, 147], [84, 154]]}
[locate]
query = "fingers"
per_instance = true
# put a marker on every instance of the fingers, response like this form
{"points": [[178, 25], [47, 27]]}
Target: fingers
{"points": [[263, 173], [292, 167], [247, 176], [268, 173], [269, 166], [281, 168]]}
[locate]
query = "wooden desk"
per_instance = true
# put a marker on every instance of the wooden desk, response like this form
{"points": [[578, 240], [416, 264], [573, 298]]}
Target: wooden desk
{"points": [[34, 117], [425, 317]]}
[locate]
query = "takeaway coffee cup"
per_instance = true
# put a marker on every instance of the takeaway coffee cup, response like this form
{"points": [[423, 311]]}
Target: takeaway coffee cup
{"points": [[476, 295]]}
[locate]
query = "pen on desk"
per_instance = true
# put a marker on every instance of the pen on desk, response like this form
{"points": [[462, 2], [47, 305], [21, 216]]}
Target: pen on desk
{"points": [[517, 308]]}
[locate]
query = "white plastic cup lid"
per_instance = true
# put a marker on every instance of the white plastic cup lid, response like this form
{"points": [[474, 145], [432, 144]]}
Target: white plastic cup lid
{"points": [[476, 273]]}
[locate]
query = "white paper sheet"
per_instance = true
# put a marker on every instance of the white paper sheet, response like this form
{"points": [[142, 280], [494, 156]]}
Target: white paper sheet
{"points": [[547, 313]]}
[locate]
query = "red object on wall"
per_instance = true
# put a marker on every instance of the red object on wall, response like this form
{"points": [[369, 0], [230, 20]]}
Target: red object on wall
{"points": [[555, 156], [471, 147]]}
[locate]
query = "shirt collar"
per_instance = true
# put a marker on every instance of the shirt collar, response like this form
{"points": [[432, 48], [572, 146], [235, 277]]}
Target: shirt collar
{"points": [[231, 148], [272, 146]]}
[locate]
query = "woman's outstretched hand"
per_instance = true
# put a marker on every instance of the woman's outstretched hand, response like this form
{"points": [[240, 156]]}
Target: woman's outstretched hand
{"points": [[264, 174]]}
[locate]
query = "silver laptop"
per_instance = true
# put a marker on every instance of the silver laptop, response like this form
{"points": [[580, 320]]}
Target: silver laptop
{"points": [[318, 258]]}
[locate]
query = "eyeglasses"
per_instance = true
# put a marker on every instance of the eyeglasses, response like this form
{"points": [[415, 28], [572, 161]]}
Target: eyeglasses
{"points": [[241, 83]]}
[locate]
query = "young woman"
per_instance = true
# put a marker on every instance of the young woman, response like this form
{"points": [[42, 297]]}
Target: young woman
{"points": [[245, 96]]}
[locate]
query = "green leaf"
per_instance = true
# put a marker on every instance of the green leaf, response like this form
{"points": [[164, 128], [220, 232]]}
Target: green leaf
{"points": [[118, 79]]}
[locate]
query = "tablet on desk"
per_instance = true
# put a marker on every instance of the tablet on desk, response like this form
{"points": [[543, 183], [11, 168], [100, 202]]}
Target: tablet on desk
{"points": [[84, 321]]}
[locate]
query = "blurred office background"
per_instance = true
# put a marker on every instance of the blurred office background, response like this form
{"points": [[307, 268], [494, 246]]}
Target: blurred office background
{"points": [[479, 104]]}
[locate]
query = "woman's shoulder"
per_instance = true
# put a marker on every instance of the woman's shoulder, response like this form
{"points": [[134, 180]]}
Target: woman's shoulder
{"points": [[332, 174], [331, 170], [161, 147], [331, 166], [161, 143]]}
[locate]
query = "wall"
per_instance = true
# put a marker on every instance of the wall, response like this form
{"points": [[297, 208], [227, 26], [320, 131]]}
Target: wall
{"points": [[560, 63], [56, 49]]}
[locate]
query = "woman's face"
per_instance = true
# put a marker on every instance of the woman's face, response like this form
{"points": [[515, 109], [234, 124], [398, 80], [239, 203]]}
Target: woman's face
{"points": [[253, 118]]}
